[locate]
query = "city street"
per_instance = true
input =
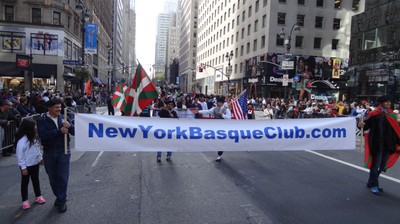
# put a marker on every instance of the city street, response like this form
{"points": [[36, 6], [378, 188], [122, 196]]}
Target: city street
{"points": [[246, 187]]}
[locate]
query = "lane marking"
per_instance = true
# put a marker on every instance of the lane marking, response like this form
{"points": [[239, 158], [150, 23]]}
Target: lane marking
{"points": [[207, 159], [97, 159], [352, 165]]}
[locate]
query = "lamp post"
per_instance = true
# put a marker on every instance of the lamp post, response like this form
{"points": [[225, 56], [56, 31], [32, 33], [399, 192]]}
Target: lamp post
{"points": [[228, 71], [288, 43], [80, 8], [109, 73]]}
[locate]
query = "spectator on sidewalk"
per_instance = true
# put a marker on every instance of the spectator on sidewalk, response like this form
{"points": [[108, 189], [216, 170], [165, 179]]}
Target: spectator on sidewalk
{"points": [[6, 117], [29, 157]]}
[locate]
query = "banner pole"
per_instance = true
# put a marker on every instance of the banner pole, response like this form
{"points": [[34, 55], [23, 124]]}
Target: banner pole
{"points": [[65, 135], [362, 134]]}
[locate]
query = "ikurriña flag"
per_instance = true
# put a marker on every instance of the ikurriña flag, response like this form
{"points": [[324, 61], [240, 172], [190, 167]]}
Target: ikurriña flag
{"points": [[239, 106], [142, 92], [119, 97]]}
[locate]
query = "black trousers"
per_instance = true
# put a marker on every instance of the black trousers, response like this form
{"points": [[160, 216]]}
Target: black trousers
{"points": [[377, 166], [33, 173], [220, 153]]}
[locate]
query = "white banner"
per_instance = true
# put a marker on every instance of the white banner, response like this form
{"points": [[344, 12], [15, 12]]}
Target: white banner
{"points": [[113, 133]]}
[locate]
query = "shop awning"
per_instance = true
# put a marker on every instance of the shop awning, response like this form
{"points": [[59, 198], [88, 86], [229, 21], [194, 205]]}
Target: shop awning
{"points": [[96, 80], [68, 74]]}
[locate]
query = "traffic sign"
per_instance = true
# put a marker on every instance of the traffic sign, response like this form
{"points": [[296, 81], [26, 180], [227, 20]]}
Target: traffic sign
{"points": [[285, 80], [71, 62], [287, 65]]}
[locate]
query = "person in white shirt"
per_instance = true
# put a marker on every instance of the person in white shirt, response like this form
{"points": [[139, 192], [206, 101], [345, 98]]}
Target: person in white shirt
{"points": [[268, 112], [29, 157], [219, 112]]}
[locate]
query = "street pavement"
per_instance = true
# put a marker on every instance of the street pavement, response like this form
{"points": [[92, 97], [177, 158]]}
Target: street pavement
{"points": [[246, 187]]}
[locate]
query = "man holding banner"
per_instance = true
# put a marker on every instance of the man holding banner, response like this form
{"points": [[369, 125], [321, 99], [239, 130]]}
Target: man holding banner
{"points": [[51, 130], [167, 112], [219, 112], [381, 143]]}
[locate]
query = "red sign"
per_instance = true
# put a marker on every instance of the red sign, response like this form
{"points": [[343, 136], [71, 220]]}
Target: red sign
{"points": [[23, 62]]}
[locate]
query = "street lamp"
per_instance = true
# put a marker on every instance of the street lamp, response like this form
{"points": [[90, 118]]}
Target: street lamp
{"points": [[109, 73], [288, 43], [80, 8], [228, 71]]}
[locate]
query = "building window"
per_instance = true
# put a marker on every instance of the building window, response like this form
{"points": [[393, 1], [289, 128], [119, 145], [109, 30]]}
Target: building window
{"points": [[236, 52], [248, 48], [36, 15], [9, 13], [336, 24], [282, 1], [249, 30], [320, 3], [256, 26], [242, 33], [265, 2], [241, 50], [255, 45], [238, 20], [356, 5], [299, 41], [318, 21], [317, 43], [335, 44], [237, 36], [264, 21], [281, 18], [301, 2], [279, 40], [56, 18], [241, 67], [243, 15], [257, 6], [300, 20], [263, 41], [338, 4], [250, 10]]}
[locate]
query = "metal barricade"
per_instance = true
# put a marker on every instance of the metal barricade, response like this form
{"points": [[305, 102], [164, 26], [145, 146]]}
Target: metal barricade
{"points": [[8, 135], [86, 109]]}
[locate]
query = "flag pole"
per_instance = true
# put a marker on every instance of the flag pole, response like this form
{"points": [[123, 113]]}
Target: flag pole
{"points": [[362, 134], [65, 135]]}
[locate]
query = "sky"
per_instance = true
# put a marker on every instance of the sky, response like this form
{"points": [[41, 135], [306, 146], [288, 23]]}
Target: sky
{"points": [[146, 29]]}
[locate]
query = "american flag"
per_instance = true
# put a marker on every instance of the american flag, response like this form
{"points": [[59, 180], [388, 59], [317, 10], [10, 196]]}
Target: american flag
{"points": [[239, 106]]}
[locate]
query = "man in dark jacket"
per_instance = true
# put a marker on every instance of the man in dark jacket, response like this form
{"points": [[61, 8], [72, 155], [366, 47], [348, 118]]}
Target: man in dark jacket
{"points": [[167, 112], [51, 129], [381, 142], [6, 131]]}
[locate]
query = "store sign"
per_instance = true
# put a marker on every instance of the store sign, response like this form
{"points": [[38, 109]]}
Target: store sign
{"points": [[22, 61], [287, 65]]}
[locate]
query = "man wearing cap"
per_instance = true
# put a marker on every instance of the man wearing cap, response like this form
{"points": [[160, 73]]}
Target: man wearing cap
{"points": [[51, 129], [167, 112], [5, 120], [219, 112], [381, 143]]}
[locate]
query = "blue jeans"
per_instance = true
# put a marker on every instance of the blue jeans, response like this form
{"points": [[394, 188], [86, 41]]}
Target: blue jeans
{"points": [[377, 166], [168, 154], [56, 164]]}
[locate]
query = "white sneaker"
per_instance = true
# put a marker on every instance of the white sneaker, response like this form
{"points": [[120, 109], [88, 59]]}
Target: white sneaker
{"points": [[218, 158]]}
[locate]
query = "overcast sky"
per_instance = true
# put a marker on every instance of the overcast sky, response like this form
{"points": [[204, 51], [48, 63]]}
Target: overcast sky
{"points": [[146, 29]]}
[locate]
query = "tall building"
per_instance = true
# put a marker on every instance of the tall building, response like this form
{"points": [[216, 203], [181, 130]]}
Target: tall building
{"points": [[172, 52], [188, 45], [164, 21], [259, 33], [51, 32], [375, 51]]}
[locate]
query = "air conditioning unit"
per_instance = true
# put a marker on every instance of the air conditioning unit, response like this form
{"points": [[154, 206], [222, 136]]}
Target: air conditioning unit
{"points": [[47, 2], [66, 7]]}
